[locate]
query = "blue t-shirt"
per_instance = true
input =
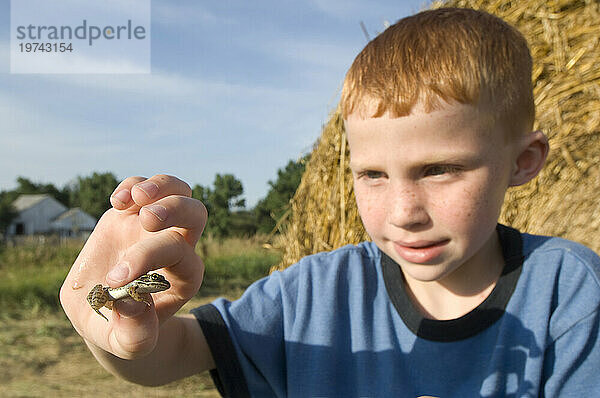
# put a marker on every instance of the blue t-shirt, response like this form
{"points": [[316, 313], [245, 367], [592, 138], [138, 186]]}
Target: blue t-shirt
{"points": [[340, 324]]}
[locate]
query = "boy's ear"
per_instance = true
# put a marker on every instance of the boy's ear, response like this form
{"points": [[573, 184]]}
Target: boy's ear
{"points": [[533, 150]]}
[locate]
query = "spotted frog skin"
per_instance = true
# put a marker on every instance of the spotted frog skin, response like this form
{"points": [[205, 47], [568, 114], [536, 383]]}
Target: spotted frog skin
{"points": [[103, 296]]}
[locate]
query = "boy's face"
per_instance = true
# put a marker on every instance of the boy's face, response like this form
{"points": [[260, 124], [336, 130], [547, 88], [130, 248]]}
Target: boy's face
{"points": [[429, 186]]}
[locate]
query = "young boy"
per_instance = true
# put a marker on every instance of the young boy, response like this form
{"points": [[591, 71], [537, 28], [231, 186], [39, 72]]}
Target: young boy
{"points": [[444, 301]]}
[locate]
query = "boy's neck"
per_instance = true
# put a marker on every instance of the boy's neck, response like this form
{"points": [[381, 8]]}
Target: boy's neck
{"points": [[462, 291]]}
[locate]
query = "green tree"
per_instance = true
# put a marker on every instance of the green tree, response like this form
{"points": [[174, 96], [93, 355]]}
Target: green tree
{"points": [[243, 223], [270, 209], [227, 192], [7, 211], [92, 193], [220, 201], [27, 187]]}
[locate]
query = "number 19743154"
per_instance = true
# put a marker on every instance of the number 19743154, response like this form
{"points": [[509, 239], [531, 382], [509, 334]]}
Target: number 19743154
{"points": [[45, 47]]}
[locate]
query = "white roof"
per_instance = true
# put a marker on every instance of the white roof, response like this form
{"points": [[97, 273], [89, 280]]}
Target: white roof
{"points": [[26, 201], [71, 213]]}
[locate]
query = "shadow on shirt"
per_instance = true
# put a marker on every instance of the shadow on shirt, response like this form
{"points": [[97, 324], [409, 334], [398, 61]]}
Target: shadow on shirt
{"points": [[504, 360]]}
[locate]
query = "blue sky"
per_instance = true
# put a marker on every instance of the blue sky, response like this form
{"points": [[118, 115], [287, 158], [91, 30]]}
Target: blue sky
{"points": [[236, 87]]}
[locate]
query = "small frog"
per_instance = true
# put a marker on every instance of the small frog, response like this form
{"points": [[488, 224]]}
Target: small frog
{"points": [[103, 296]]}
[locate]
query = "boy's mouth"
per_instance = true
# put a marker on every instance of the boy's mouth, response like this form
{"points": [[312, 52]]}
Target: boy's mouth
{"points": [[420, 252]]}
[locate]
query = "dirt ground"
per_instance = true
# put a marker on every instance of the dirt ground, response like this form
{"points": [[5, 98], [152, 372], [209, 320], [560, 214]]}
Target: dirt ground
{"points": [[41, 355]]}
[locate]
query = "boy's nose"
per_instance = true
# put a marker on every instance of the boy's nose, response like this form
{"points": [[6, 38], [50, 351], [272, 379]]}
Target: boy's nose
{"points": [[406, 209]]}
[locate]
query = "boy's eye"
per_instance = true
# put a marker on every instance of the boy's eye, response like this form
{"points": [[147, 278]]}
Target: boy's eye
{"points": [[371, 174], [441, 169]]}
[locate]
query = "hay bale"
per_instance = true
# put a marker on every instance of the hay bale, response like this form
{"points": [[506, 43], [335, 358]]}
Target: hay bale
{"points": [[323, 213], [563, 200]]}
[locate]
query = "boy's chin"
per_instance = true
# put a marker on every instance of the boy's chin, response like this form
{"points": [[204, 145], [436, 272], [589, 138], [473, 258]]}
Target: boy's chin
{"points": [[425, 273]]}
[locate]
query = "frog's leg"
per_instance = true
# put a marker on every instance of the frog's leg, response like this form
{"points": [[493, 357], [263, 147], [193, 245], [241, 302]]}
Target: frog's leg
{"points": [[97, 298], [132, 291], [101, 314]]}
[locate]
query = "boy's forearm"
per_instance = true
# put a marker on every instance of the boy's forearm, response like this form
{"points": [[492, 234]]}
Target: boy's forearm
{"points": [[181, 351]]}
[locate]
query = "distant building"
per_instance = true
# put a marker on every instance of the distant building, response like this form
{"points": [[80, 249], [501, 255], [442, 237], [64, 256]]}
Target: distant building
{"points": [[42, 214]]}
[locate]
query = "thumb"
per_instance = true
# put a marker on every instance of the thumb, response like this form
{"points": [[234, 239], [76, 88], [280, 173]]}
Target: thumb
{"points": [[134, 330]]}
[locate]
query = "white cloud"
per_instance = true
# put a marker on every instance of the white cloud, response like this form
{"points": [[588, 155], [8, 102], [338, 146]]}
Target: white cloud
{"points": [[167, 103], [47, 147], [158, 83], [76, 64], [26, 125]]}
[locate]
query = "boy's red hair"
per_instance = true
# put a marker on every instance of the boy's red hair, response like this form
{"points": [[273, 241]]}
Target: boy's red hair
{"points": [[446, 54]]}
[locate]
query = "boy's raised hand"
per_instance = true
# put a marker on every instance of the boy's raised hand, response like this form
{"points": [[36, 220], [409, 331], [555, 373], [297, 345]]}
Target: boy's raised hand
{"points": [[154, 225]]}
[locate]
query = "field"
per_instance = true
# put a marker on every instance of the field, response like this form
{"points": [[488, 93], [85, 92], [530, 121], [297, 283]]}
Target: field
{"points": [[40, 353]]}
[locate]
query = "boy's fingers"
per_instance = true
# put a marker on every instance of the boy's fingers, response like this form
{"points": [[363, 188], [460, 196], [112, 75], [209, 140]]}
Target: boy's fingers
{"points": [[176, 211], [158, 187], [161, 250], [135, 192], [167, 248], [121, 198]]}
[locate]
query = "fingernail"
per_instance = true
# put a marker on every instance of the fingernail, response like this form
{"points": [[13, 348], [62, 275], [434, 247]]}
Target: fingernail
{"points": [[159, 211], [149, 188], [119, 273], [123, 196]]}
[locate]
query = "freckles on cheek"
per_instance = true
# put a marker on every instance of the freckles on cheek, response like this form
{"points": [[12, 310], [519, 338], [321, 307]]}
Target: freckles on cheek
{"points": [[369, 209], [476, 203], [464, 204]]}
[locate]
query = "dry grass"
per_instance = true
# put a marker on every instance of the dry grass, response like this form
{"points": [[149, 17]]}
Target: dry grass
{"points": [[209, 246], [564, 40], [42, 356]]}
